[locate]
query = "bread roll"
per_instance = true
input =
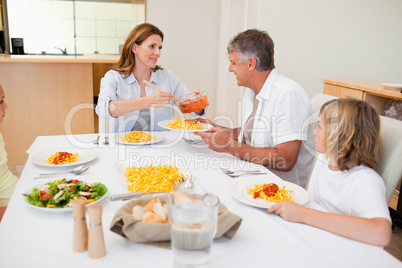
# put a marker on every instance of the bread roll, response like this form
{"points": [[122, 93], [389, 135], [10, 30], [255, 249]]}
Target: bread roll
{"points": [[151, 218], [150, 205], [138, 212], [166, 210], [158, 210]]}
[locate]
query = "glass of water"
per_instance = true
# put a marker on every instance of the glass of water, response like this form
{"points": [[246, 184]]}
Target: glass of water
{"points": [[193, 219]]}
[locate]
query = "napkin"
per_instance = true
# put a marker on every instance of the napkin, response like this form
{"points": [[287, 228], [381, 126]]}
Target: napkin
{"points": [[158, 234]]}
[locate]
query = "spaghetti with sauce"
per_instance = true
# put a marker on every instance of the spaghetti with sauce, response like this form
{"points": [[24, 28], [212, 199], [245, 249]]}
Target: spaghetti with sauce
{"points": [[270, 192], [61, 158]]}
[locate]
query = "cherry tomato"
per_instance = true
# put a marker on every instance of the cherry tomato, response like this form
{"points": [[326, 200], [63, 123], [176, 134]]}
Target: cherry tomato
{"points": [[45, 196], [88, 191], [71, 189], [75, 181], [42, 193]]}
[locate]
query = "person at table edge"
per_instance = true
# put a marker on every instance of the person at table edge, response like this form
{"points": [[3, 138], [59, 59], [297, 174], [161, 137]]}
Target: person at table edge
{"points": [[274, 109], [125, 96], [343, 182], [8, 181]]}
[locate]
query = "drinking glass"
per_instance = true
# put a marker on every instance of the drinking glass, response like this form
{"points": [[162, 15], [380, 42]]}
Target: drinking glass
{"points": [[193, 220]]}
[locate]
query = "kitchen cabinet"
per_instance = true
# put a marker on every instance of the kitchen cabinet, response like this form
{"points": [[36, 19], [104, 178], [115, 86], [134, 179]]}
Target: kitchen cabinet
{"points": [[48, 95], [363, 89]]}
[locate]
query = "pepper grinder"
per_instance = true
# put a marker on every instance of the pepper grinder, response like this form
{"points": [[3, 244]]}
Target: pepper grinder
{"points": [[96, 242], [80, 239]]}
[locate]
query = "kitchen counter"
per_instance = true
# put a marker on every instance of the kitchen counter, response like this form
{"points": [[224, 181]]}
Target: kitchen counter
{"points": [[86, 58], [49, 95]]}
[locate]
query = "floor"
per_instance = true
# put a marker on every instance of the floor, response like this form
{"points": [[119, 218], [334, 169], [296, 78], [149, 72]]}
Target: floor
{"points": [[394, 248]]}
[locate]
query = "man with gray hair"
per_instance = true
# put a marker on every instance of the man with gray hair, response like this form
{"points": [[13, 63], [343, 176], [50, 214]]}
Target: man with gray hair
{"points": [[274, 109]]}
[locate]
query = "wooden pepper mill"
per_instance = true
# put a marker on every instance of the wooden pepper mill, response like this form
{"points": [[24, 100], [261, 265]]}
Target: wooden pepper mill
{"points": [[96, 242], [80, 238]]}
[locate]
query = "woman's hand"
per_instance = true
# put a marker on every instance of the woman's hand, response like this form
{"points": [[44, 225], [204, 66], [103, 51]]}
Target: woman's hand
{"points": [[160, 98], [289, 211]]}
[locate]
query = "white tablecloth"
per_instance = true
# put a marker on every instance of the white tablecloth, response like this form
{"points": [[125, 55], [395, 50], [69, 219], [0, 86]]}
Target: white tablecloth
{"points": [[33, 238]]}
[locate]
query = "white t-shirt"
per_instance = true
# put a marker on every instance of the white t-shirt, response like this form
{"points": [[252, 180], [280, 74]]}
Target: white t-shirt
{"points": [[283, 107], [359, 191]]}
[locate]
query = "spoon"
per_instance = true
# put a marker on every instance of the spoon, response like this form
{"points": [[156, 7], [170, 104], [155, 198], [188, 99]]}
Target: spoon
{"points": [[75, 171], [157, 88]]}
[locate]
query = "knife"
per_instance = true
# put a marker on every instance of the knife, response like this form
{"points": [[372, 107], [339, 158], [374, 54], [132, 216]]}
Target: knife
{"points": [[131, 195]]}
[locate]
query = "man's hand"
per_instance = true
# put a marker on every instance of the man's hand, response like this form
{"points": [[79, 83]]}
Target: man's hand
{"points": [[217, 139]]}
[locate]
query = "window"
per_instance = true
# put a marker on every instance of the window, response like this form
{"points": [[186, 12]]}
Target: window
{"points": [[91, 26]]}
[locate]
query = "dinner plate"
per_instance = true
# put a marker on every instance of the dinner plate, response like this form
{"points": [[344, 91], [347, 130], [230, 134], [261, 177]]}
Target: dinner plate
{"points": [[392, 85], [239, 191], [164, 124], [56, 210], [159, 137], [85, 156]]}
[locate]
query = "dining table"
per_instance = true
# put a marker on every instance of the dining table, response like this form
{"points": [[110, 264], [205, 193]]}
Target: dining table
{"points": [[33, 237]]}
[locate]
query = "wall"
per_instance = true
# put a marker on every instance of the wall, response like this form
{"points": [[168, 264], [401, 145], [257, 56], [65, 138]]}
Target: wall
{"points": [[191, 40], [313, 40], [327, 39]]}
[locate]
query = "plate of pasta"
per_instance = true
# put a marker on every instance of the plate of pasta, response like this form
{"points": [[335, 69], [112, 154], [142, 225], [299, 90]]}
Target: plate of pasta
{"points": [[263, 191], [187, 125], [63, 157], [152, 178], [139, 138]]}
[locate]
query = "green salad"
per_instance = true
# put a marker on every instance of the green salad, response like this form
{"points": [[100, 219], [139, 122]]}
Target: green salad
{"points": [[60, 193]]}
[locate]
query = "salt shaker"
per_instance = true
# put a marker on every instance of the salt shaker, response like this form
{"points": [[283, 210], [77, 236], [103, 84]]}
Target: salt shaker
{"points": [[96, 243], [80, 238]]}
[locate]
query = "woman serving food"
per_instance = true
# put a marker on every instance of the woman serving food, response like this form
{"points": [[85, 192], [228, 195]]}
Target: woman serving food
{"points": [[124, 92]]}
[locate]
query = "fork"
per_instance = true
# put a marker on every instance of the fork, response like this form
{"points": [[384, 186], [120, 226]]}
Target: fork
{"points": [[231, 172], [182, 183], [242, 174], [193, 141]]}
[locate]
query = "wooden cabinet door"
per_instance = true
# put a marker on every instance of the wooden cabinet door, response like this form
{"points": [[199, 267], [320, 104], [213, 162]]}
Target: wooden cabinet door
{"points": [[333, 90], [352, 93]]}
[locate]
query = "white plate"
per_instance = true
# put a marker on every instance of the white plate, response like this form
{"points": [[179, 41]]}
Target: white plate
{"points": [[85, 156], [239, 191], [165, 123], [159, 137], [59, 209], [392, 85]]}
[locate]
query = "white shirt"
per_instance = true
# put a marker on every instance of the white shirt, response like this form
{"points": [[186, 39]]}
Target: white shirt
{"points": [[359, 191], [283, 108], [115, 87]]}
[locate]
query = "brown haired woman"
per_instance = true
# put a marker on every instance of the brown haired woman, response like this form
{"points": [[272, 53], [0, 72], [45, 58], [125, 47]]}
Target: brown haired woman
{"points": [[343, 181], [7, 179], [125, 95]]}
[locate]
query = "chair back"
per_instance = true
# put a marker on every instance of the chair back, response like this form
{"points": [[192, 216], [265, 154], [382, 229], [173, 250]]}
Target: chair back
{"points": [[318, 100], [106, 125], [310, 124], [390, 162]]}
